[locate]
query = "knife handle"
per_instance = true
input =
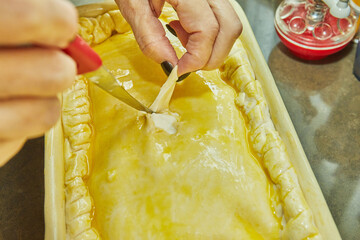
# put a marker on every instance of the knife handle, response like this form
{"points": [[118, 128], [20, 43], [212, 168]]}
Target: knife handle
{"points": [[86, 58]]}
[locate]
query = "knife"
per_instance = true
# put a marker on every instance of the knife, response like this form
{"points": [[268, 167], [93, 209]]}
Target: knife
{"points": [[90, 65]]}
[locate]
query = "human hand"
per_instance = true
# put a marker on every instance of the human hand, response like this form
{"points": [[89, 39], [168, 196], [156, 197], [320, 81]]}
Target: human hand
{"points": [[32, 75], [206, 28]]}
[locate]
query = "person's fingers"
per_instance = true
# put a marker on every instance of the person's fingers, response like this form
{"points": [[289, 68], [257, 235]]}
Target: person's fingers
{"points": [[148, 31], [180, 32], [35, 72], [8, 149], [203, 29], [44, 22], [230, 30], [27, 117], [156, 6]]}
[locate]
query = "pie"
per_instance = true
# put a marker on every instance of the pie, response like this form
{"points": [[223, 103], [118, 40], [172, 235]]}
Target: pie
{"points": [[218, 171]]}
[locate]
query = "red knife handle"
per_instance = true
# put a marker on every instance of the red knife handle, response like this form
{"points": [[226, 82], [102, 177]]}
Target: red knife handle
{"points": [[86, 58]]}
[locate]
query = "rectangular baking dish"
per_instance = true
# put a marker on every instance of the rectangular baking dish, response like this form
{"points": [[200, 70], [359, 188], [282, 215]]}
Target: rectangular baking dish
{"points": [[54, 163]]}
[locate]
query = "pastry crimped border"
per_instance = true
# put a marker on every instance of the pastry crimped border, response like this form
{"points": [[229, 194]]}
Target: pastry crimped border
{"points": [[264, 138], [95, 30], [76, 121], [268, 145], [281, 119]]}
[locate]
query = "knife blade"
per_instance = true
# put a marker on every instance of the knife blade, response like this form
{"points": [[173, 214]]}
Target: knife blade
{"points": [[103, 78], [89, 64]]}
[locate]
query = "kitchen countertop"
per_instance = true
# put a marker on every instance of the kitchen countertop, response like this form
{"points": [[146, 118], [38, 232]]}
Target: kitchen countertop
{"points": [[322, 98]]}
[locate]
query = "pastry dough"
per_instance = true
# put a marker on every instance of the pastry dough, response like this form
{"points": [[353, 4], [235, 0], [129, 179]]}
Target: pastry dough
{"points": [[223, 173]]}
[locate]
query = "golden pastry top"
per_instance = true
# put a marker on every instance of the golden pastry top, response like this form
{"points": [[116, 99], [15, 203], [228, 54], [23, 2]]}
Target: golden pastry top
{"points": [[254, 219], [164, 184]]}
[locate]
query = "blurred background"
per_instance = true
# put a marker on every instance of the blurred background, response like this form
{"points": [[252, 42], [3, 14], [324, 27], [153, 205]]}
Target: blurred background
{"points": [[322, 98]]}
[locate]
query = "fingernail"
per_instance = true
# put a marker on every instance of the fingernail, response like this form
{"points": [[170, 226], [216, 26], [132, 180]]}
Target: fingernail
{"points": [[167, 67], [182, 77], [171, 29]]}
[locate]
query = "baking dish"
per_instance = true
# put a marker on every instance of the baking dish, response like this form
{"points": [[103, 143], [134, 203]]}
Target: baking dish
{"points": [[54, 163]]}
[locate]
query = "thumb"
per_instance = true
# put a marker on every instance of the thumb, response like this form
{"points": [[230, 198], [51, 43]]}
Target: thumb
{"points": [[148, 31]]}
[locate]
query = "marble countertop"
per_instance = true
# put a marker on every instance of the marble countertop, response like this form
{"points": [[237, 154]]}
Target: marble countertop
{"points": [[322, 98]]}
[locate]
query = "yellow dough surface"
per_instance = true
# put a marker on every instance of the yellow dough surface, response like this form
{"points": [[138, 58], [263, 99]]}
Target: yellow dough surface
{"points": [[203, 182]]}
